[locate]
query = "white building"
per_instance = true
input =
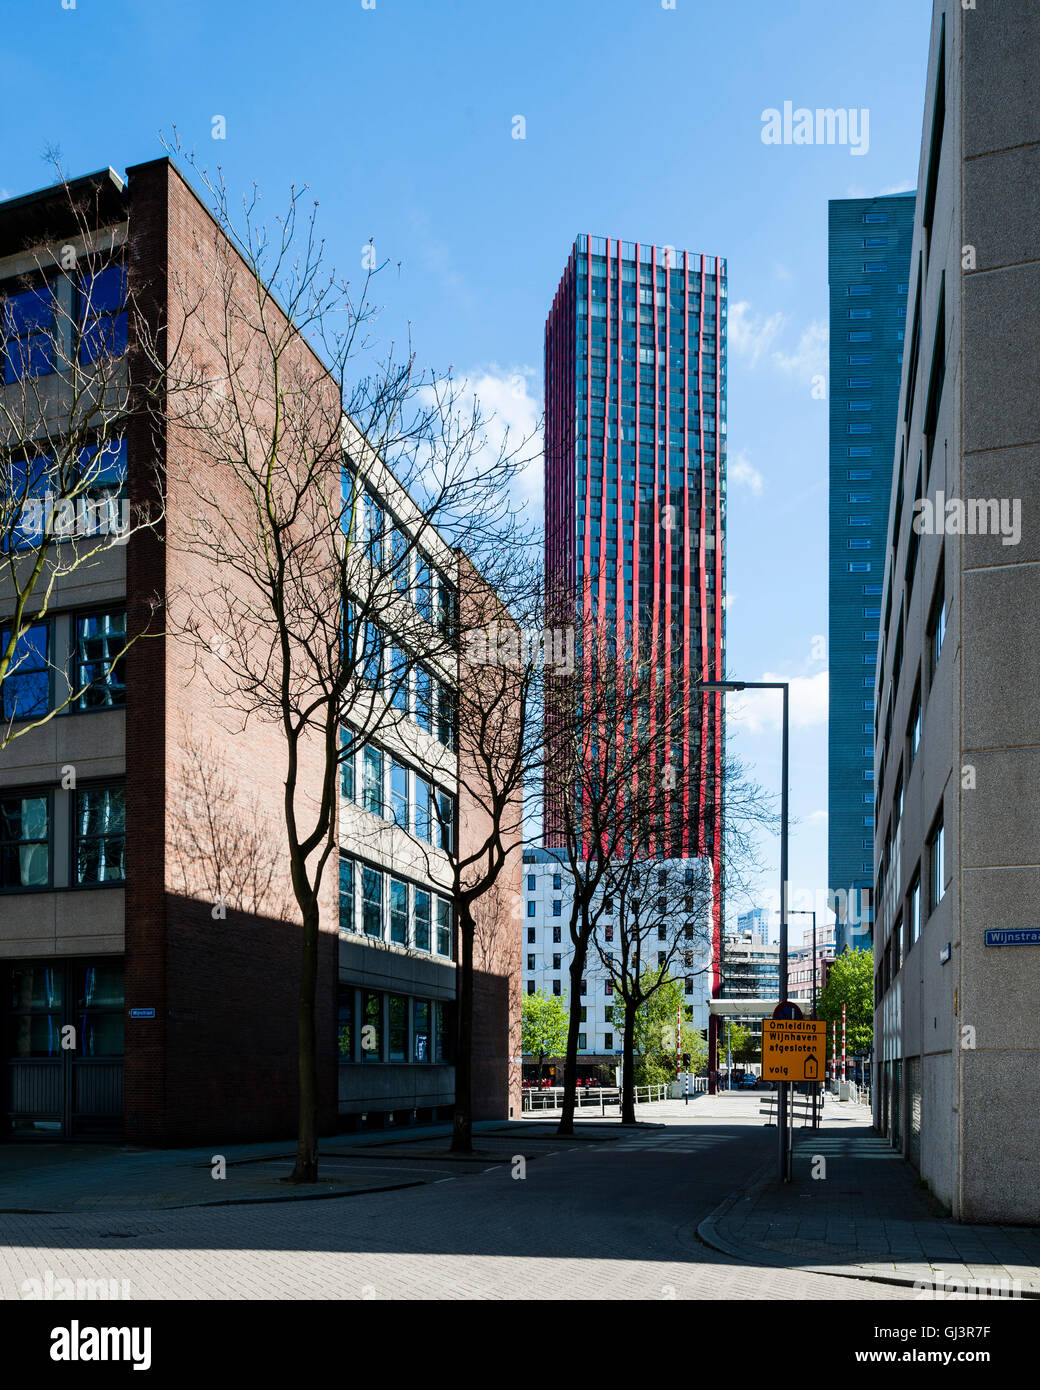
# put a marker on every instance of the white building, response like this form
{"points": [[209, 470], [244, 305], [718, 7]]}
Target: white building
{"points": [[546, 894]]}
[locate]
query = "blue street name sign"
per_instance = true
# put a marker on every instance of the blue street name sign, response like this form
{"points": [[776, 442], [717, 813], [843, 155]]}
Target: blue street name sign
{"points": [[142, 1013], [1013, 936]]}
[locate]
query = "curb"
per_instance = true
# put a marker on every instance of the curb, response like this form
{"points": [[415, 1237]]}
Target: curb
{"points": [[709, 1234]]}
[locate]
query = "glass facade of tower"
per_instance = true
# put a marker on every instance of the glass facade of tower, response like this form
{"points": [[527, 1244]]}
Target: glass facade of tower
{"points": [[868, 273], [635, 485]]}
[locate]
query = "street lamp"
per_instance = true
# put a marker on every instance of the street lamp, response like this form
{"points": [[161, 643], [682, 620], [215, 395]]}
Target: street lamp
{"points": [[721, 687]]}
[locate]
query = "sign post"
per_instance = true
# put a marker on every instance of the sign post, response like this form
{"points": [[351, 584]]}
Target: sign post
{"points": [[843, 1044]]}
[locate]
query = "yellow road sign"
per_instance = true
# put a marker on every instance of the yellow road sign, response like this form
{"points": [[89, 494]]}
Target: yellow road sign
{"points": [[794, 1049]]}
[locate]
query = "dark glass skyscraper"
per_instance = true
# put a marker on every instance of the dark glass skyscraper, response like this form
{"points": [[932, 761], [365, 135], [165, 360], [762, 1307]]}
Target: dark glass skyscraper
{"points": [[868, 271], [635, 490]]}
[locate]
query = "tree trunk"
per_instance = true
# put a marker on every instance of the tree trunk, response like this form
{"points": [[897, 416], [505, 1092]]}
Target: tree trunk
{"points": [[628, 1071], [306, 1168], [462, 1128], [570, 1061]]}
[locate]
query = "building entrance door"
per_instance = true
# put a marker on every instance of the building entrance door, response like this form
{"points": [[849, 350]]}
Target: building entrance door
{"points": [[63, 1048]]}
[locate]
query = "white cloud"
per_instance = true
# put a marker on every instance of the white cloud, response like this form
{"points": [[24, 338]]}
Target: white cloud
{"points": [[759, 710], [816, 817], [810, 356], [740, 470], [755, 337], [750, 335], [508, 405]]}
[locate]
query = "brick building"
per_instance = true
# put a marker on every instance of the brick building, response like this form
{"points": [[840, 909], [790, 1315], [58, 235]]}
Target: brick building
{"points": [[183, 995]]}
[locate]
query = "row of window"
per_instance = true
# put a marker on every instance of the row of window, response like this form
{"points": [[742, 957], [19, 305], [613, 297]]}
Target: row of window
{"points": [[409, 688], [98, 838], [376, 904], [413, 573], [906, 929], [373, 1026], [377, 782], [91, 642], [32, 323]]}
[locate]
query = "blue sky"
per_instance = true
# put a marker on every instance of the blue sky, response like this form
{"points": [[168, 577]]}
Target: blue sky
{"points": [[641, 122]]}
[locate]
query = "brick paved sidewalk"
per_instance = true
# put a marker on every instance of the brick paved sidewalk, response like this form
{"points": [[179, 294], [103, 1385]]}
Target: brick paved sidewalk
{"points": [[868, 1217], [49, 1178]]}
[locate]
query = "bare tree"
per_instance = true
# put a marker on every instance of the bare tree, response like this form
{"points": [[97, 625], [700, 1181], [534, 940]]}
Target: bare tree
{"points": [[663, 914], [68, 323]]}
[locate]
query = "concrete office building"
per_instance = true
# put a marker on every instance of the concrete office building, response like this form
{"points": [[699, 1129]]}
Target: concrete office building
{"points": [[868, 258], [957, 844], [184, 1008]]}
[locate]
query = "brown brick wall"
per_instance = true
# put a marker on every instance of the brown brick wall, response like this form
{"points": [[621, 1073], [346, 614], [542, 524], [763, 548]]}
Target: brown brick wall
{"points": [[219, 1061]]}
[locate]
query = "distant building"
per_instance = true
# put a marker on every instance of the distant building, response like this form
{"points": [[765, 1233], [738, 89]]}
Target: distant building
{"points": [[754, 923], [868, 260]]}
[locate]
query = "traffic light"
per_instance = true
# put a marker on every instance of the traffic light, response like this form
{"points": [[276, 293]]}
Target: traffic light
{"points": [[686, 1061]]}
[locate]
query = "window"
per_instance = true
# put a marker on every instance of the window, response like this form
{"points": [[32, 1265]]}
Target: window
{"points": [[532, 908], [372, 784], [582, 1041], [420, 1030], [398, 1029], [557, 934], [557, 959], [531, 962], [445, 716], [913, 731], [99, 829], [937, 621], [423, 810], [530, 986], [557, 907], [445, 607], [372, 902], [371, 1026], [874, 266], [345, 1023], [914, 909], [24, 841], [423, 698], [346, 894], [346, 766], [422, 919], [424, 588], [444, 828], [372, 655], [27, 326], [399, 794], [584, 987], [530, 883], [608, 1040], [937, 862], [375, 523], [444, 925], [397, 674], [102, 314], [530, 930], [27, 686], [557, 881], [443, 1032], [399, 912], [936, 140], [556, 987]]}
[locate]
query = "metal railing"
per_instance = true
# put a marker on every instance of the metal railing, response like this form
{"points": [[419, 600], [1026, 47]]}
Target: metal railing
{"points": [[799, 1107], [586, 1097]]}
